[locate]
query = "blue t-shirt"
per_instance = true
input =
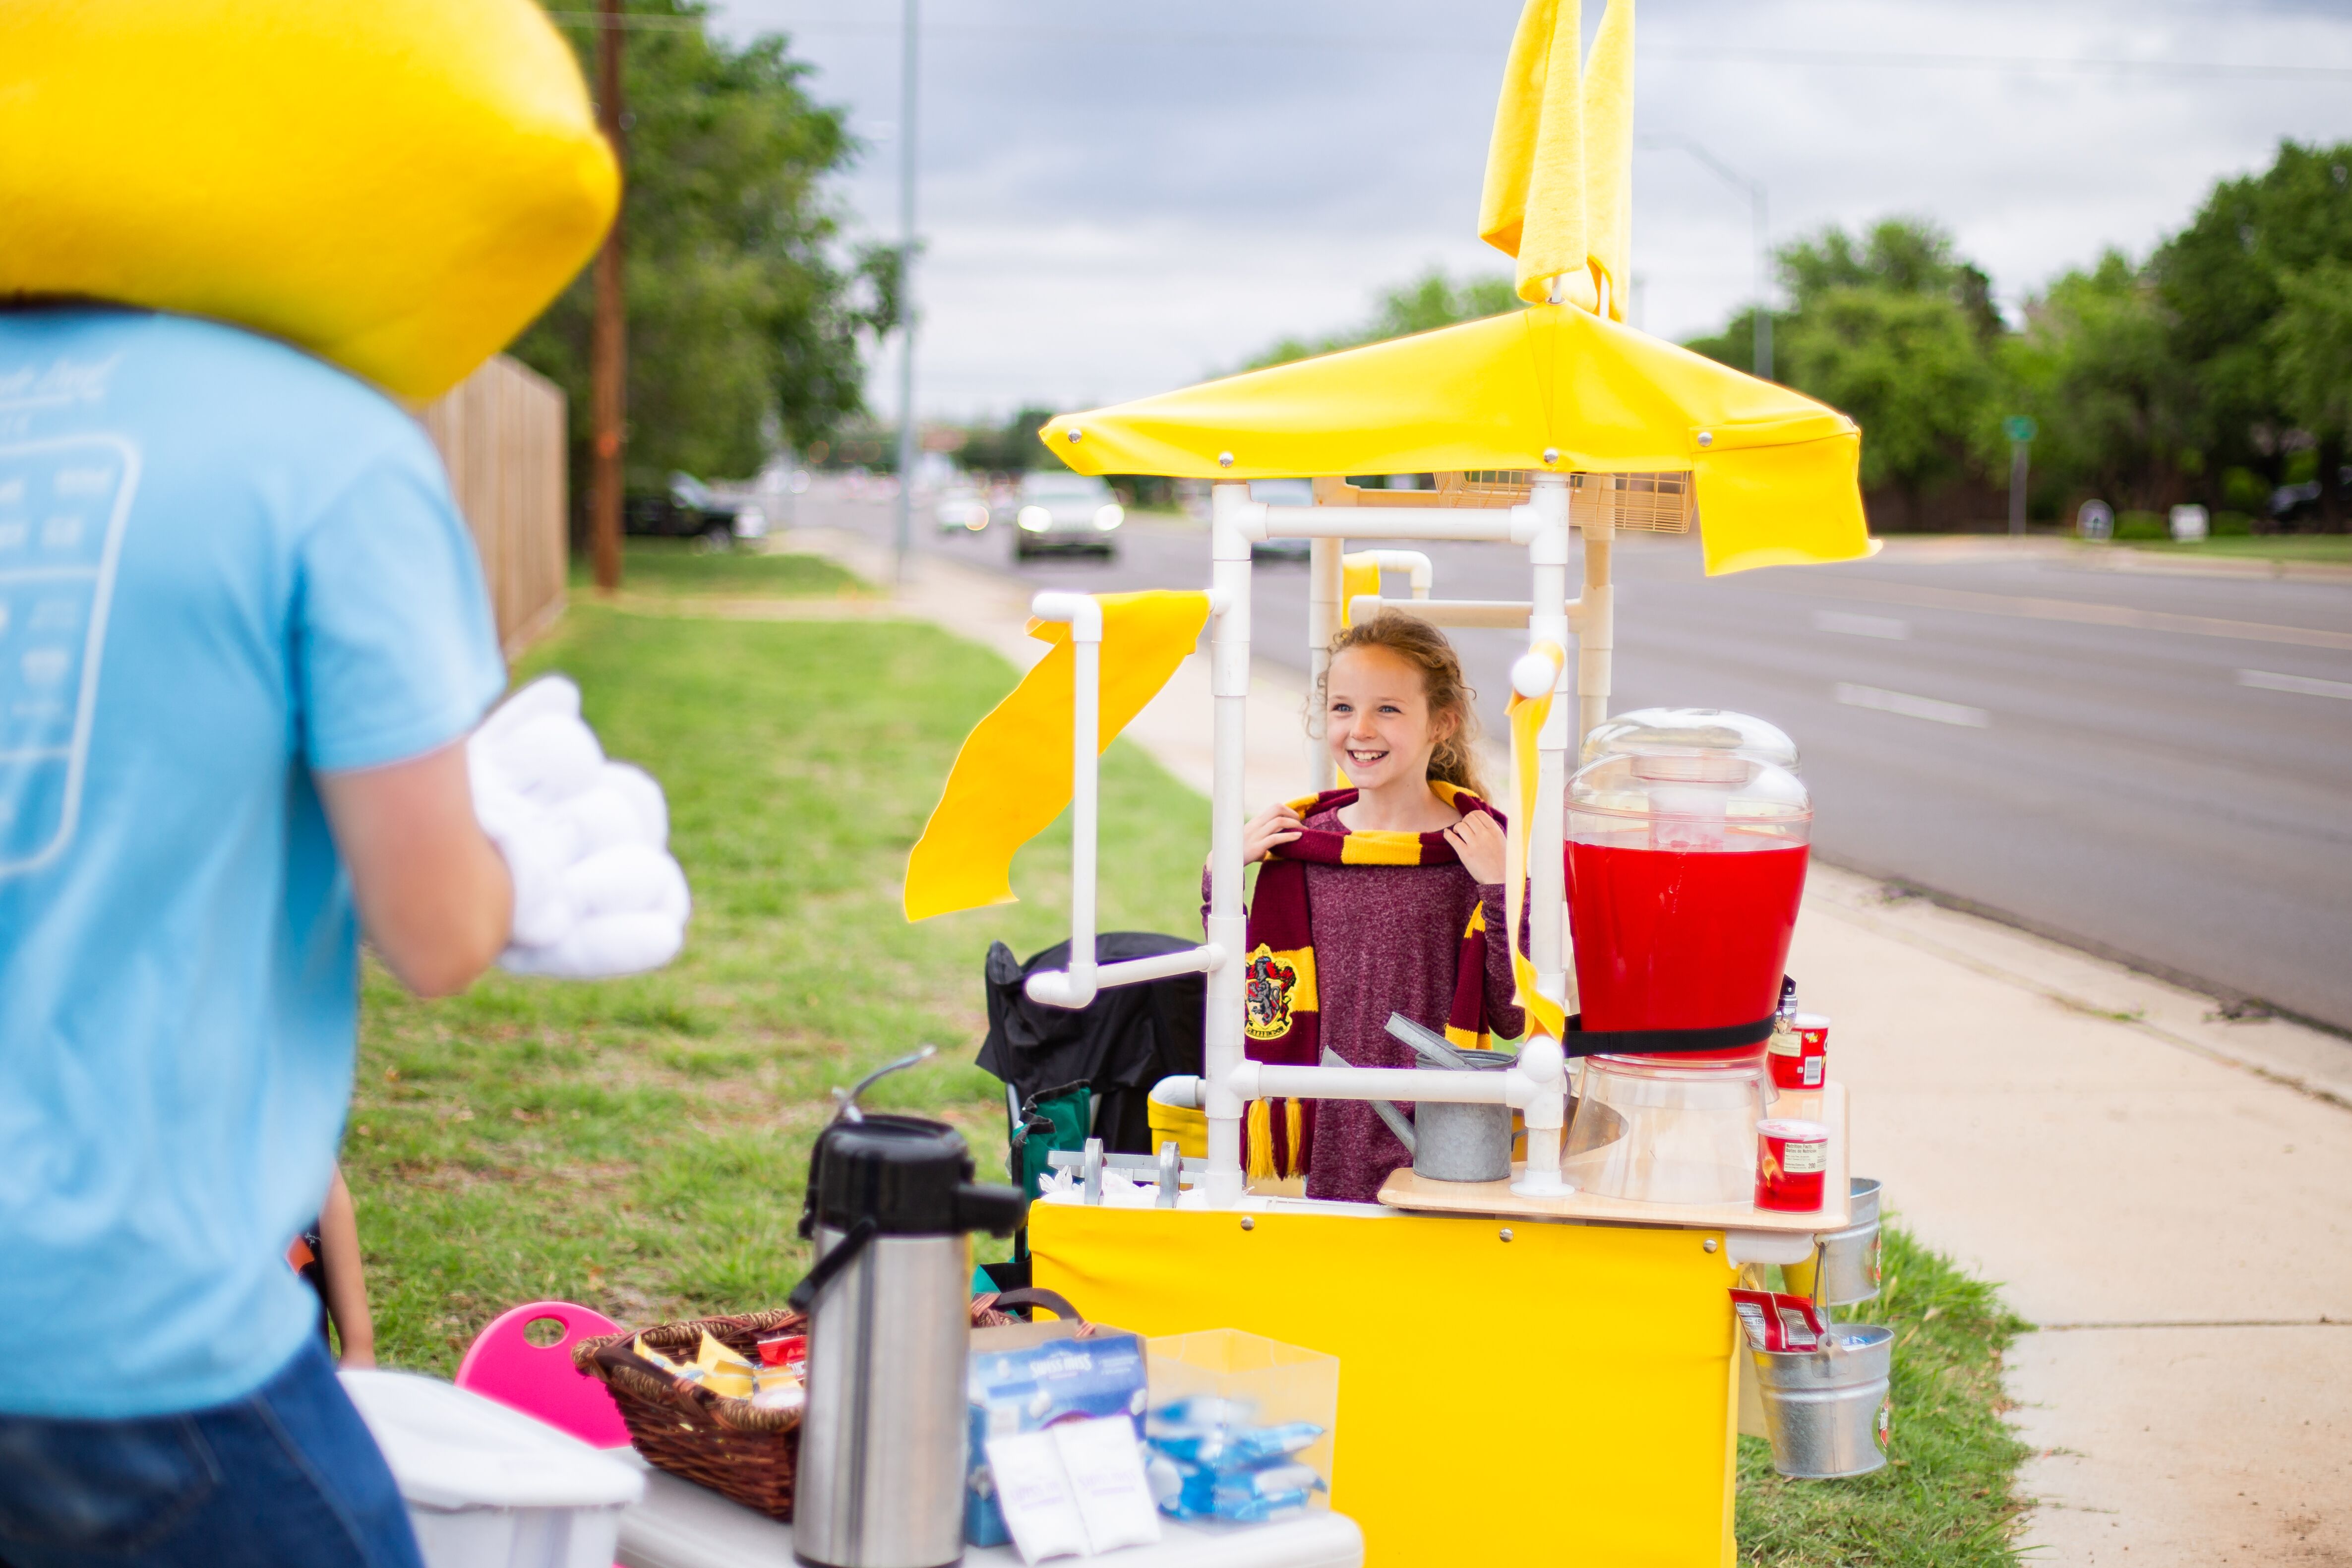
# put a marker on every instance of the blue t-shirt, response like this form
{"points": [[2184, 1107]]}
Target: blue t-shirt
{"points": [[223, 567]]}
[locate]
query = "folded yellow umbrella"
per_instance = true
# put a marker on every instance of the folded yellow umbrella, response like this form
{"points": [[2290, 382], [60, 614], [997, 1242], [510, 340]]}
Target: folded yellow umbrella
{"points": [[1012, 776], [1558, 387], [1560, 169]]}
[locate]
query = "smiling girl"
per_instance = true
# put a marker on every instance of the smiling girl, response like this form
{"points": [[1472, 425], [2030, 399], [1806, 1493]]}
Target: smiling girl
{"points": [[1384, 896]]}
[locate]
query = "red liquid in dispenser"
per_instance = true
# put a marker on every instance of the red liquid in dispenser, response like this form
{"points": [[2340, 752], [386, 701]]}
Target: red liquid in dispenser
{"points": [[1679, 939]]}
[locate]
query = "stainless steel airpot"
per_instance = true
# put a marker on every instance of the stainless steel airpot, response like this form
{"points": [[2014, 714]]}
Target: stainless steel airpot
{"points": [[891, 1205]]}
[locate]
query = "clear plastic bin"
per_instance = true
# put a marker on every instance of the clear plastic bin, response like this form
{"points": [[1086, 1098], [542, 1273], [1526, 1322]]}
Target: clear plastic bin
{"points": [[1279, 1383]]}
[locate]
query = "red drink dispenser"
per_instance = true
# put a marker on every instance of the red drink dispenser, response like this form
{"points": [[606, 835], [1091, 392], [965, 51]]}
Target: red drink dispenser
{"points": [[1684, 868]]}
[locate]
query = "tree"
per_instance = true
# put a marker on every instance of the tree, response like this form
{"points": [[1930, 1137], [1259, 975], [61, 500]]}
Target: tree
{"points": [[1912, 372], [2311, 337], [745, 324], [2094, 364], [1896, 330], [1431, 300], [2244, 283]]}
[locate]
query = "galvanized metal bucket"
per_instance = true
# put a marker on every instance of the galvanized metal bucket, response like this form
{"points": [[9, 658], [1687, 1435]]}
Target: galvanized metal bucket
{"points": [[1827, 1412], [1844, 1270]]}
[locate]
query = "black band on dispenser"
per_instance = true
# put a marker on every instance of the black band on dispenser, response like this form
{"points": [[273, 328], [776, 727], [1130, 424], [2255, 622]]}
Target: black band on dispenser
{"points": [[1664, 1042]]}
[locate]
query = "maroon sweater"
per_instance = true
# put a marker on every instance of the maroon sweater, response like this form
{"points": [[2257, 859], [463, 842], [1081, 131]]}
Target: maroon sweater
{"points": [[1387, 940]]}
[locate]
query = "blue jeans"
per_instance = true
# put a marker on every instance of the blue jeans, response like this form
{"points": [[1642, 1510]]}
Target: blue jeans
{"points": [[286, 1475]]}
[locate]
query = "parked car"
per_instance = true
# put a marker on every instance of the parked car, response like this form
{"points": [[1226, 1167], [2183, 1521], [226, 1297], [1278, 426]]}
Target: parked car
{"points": [[1282, 492], [2294, 504], [1063, 513], [689, 511], [962, 506]]}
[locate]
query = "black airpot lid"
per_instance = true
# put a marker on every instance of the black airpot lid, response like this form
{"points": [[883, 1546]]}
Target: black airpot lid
{"points": [[909, 1176]]}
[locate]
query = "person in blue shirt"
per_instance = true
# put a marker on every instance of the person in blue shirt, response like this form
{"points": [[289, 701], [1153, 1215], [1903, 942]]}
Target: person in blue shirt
{"points": [[244, 640], [242, 633], [245, 656]]}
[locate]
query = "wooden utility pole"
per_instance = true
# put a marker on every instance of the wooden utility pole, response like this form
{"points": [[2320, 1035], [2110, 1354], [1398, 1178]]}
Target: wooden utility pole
{"points": [[609, 341]]}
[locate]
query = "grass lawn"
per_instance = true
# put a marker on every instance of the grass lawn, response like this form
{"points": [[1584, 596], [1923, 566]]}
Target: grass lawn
{"points": [[1946, 1499], [2336, 548], [639, 1145], [671, 568]]}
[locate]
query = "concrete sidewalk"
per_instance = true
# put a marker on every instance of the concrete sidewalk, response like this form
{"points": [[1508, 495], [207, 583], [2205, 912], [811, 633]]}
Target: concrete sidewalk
{"points": [[2167, 1196]]}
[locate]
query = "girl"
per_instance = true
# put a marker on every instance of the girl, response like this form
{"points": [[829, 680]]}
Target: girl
{"points": [[1385, 896]]}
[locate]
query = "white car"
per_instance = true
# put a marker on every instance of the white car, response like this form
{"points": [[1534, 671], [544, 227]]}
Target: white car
{"points": [[962, 506], [1062, 513]]}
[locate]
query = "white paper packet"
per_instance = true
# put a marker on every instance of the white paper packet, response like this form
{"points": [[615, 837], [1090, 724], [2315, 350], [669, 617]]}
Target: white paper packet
{"points": [[1034, 1489], [1104, 1464]]}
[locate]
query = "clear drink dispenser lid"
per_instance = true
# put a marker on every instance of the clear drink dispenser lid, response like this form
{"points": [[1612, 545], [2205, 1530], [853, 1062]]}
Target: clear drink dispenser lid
{"points": [[1622, 790], [1690, 729]]}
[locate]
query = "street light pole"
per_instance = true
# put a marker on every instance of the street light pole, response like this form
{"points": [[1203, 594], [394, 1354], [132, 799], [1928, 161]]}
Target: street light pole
{"points": [[902, 520], [1760, 218], [608, 347]]}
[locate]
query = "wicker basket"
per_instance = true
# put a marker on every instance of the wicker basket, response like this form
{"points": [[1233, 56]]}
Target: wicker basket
{"points": [[731, 1446]]}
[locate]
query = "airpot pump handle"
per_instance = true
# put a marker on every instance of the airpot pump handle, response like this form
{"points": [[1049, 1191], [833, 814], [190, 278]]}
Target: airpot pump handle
{"points": [[845, 1252], [991, 1206]]}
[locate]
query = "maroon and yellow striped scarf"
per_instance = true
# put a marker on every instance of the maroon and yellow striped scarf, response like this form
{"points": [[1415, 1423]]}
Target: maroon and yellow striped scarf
{"points": [[1281, 1013]]}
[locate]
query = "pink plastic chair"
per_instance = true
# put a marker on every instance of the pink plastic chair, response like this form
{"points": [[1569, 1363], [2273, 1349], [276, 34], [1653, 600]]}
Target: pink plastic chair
{"points": [[539, 1380]]}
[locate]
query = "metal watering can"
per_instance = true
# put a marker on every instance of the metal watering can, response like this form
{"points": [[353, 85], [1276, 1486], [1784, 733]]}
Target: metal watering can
{"points": [[1448, 1141]]}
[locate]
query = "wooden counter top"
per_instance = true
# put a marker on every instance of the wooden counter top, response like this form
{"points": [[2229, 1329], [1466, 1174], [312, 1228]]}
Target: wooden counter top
{"points": [[1405, 1190]]}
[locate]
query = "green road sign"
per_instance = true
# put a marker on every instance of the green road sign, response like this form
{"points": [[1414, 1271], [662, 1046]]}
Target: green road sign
{"points": [[2020, 427]]}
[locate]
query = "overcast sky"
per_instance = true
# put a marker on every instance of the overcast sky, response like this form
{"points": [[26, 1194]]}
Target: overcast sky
{"points": [[1118, 198]]}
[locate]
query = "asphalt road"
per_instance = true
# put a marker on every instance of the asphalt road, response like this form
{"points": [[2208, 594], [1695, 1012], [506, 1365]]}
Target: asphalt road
{"points": [[2154, 767]]}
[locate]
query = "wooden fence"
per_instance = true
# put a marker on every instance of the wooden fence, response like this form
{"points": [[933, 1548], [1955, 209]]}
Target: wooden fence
{"points": [[500, 432]]}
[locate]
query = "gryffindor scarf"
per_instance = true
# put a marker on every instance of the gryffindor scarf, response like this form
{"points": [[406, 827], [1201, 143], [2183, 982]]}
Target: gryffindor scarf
{"points": [[1280, 1012]]}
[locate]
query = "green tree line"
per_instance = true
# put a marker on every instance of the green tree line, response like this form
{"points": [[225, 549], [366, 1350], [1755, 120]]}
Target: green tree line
{"points": [[750, 313], [2217, 369]]}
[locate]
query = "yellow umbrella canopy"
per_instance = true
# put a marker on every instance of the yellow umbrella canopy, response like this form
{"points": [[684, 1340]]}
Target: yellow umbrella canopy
{"points": [[1557, 387]]}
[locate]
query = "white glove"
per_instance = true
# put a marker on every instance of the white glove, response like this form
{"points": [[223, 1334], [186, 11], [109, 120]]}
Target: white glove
{"points": [[595, 891]]}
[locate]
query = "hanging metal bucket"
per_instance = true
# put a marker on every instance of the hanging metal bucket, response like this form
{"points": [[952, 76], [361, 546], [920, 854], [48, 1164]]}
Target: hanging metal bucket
{"points": [[1827, 1413], [1847, 1260]]}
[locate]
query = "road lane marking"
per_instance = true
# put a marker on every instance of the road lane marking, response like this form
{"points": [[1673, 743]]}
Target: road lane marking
{"points": [[2309, 685], [1912, 707], [2080, 611], [1853, 626]]}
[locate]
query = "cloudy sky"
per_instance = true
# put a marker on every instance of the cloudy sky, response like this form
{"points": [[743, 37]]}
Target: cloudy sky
{"points": [[1121, 197]]}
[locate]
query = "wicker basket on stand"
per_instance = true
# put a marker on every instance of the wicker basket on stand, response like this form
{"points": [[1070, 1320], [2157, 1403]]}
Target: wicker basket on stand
{"points": [[731, 1446]]}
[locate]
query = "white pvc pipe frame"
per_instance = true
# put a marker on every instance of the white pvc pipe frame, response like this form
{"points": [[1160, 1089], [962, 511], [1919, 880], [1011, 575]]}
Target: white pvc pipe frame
{"points": [[1537, 1085]]}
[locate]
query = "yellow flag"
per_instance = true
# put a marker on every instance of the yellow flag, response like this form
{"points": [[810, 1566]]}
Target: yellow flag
{"points": [[1012, 776], [1544, 1014]]}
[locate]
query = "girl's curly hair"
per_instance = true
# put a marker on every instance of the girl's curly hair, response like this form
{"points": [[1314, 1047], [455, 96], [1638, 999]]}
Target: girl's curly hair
{"points": [[1423, 647]]}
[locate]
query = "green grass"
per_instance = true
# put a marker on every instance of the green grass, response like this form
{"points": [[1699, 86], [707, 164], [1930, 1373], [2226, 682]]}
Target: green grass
{"points": [[1947, 1496], [673, 568], [639, 1145], [2336, 548]]}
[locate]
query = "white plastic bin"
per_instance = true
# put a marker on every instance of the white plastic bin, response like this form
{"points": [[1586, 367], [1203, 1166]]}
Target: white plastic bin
{"points": [[488, 1486]]}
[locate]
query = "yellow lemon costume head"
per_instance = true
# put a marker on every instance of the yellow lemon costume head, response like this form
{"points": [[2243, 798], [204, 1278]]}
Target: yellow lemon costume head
{"points": [[396, 186]]}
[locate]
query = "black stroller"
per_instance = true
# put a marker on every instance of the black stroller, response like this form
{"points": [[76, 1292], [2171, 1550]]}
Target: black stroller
{"points": [[1074, 1074]]}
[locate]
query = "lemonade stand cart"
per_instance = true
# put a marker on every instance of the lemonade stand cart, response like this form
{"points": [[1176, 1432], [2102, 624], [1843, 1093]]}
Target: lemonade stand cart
{"points": [[1528, 1370]]}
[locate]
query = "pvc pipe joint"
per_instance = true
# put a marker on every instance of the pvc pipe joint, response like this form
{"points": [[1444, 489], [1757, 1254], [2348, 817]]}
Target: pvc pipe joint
{"points": [[1083, 616]]}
